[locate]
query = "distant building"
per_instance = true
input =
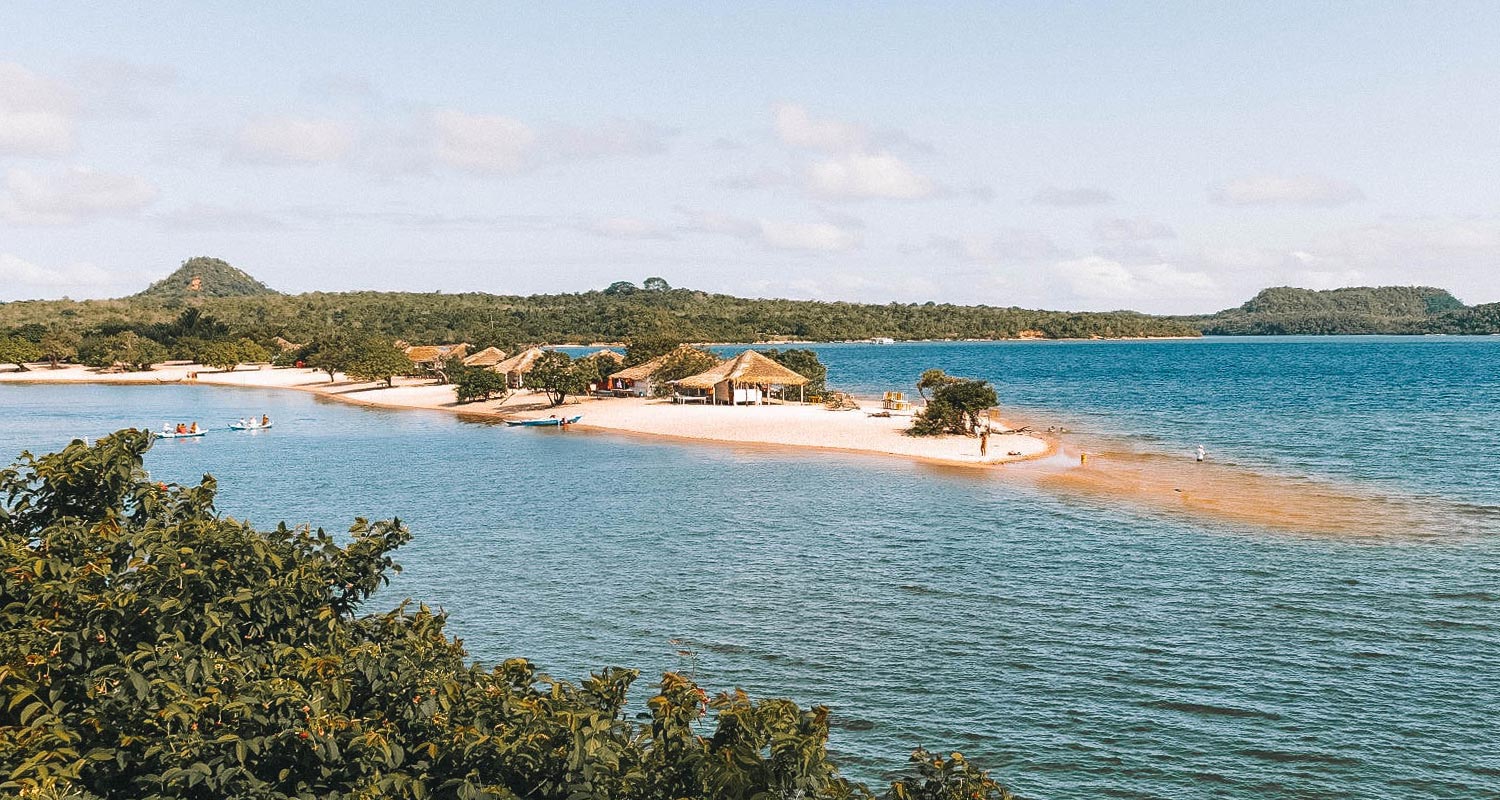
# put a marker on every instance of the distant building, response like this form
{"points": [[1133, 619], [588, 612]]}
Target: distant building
{"points": [[431, 357], [515, 368], [488, 357], [748, 378]]}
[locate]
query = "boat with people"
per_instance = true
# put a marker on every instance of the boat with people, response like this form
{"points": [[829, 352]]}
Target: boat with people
{"points": [[180, 432], [549, 422], [251, 424]]}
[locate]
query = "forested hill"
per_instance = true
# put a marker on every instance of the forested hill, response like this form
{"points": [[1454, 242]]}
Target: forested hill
{"points": [[617, 313], [1359, 310], [201, 277]]}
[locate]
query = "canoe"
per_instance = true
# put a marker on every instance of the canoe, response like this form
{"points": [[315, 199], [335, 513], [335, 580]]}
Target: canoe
{"points": [[235, 426], [175, 435], [551, 422]]}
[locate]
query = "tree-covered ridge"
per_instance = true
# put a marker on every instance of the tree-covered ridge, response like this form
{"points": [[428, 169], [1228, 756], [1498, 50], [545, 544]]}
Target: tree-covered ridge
{"points": [[202, 276], [151, 649], [1357, 310]]}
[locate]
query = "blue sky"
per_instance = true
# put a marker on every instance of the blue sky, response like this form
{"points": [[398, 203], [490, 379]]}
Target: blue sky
{"points": [[1163, 157]]}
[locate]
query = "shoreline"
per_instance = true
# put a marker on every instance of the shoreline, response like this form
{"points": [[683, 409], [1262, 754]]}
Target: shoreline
{"points": [[785, 426]]}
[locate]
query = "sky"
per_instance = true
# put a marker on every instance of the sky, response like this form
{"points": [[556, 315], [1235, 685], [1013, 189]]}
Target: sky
{"points": [[1163, 157]]}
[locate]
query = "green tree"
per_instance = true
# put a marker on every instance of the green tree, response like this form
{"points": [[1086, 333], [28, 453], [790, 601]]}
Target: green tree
{"points": [[18, 351], [557, 375], [331, 354], [251, 352], [679, 364], [372, 359], [956, 407], [220, 355], [932, 379], [621, 287], [473, 384], [60, 345], [152, 648], [126, 349], [644, 347], [805, 363], [655, 285]]}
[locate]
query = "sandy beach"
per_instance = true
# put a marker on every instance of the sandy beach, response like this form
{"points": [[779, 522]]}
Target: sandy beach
{"points": [[792, 425]]}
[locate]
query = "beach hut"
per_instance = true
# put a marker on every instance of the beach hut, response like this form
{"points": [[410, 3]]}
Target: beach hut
{"points": [[515, 368], [431, 357], [488, 357], [614, 356], [748, 378], [636, 381]]}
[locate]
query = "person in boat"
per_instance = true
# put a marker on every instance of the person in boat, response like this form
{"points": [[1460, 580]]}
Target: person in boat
{"points": [[181, 428], [194, 428]]}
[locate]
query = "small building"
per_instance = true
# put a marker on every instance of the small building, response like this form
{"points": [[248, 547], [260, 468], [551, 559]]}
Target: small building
{"points": [[488, 357], [515, 368], [636, 381], [431, 357], [749, 378]]}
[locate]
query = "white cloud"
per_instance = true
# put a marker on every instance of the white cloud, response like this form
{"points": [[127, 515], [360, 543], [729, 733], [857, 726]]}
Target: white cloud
{"points": [[1072, 196], [73, 195], [36, 113], [213, 217], [483, 142], [1284, 190], [1094, 279], [113, 88], [811, 237], [292, 140], [498, 145], [1137, 229], [1007, 245], [627, 228], [795, 127], [860, 176], [818, 237], [23, 280]]}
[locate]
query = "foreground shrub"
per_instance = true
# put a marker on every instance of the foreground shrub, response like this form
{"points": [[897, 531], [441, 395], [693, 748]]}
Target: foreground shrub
{"points": [[150, 648]]}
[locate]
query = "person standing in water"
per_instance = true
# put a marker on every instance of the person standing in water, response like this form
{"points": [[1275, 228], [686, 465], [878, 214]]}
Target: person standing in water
{"points": [[1200, 454]]}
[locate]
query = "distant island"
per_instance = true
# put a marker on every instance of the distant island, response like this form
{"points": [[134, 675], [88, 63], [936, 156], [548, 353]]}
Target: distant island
{"points": [[623, 310]]}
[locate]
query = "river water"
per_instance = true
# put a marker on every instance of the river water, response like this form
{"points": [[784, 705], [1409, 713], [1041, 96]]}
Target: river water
{"points": [[1080, 649]]}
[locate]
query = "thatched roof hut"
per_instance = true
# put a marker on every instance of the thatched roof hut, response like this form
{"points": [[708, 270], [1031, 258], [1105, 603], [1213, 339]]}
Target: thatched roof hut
{"points": [[609, 355], [515, 368], [747, 377], [488, 357], [746, 369], [637, 379], [433, 355]]}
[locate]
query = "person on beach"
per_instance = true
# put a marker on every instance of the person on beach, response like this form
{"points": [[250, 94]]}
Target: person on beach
{"points": [[1200, 454], [984, 442]]}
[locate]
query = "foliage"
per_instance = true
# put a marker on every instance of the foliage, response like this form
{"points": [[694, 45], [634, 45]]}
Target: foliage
{"points": [[1286, 310], [805, 363], [559, 376], [331, 354], [59, 345], [644, 347], [251, 352], [18, 351], [369, 358], [127, 350], [932, 379], [478, 383], [956, 407], [150, 648], [681, 363], [655, 285], [212, 277], [220, 355]]}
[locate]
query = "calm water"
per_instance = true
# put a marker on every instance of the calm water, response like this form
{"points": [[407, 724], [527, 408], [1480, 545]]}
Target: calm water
{"points": [[1081, 651]]}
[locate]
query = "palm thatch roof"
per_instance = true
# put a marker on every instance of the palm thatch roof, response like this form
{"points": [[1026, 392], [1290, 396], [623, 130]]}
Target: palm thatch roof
{"points": [[613, 355], [520, 362], [747, 368], [285, 345], [488, 357], [433, 353], [646, 369]]}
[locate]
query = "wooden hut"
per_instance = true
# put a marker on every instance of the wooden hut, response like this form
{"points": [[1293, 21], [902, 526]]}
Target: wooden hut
{"points": [[515, 368], [636, 381], [488, 357], [431, 357], [748, 378]]}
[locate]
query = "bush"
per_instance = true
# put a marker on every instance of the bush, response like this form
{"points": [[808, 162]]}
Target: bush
{"points": [[154, 649], [956, 406], [478, 383]]}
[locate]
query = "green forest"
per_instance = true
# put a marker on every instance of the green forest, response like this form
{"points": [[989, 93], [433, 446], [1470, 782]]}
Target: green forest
{"points": [[207, 299]]}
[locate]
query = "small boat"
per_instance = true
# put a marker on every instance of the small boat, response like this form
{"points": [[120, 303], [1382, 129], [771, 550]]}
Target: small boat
{"points": [[550, 422], [235, 426], [176, 435]]}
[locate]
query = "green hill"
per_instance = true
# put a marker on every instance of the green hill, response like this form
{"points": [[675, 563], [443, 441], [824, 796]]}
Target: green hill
{"points": [[1357, 310], [202, 276]]}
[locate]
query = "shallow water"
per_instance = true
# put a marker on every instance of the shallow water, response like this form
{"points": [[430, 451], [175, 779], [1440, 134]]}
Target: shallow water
{"points": [[1080, 647]]}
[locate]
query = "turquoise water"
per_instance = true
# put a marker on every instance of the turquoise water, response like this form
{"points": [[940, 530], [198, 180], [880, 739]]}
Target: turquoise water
{"points": [[1080, 650]]}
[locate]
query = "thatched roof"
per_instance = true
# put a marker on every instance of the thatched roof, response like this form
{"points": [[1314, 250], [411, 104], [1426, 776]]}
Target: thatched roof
{"points": [[613, 355], [430, 353], [286, 346], [520, 362], [488, 357], [746, 368], [646, 369]]}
